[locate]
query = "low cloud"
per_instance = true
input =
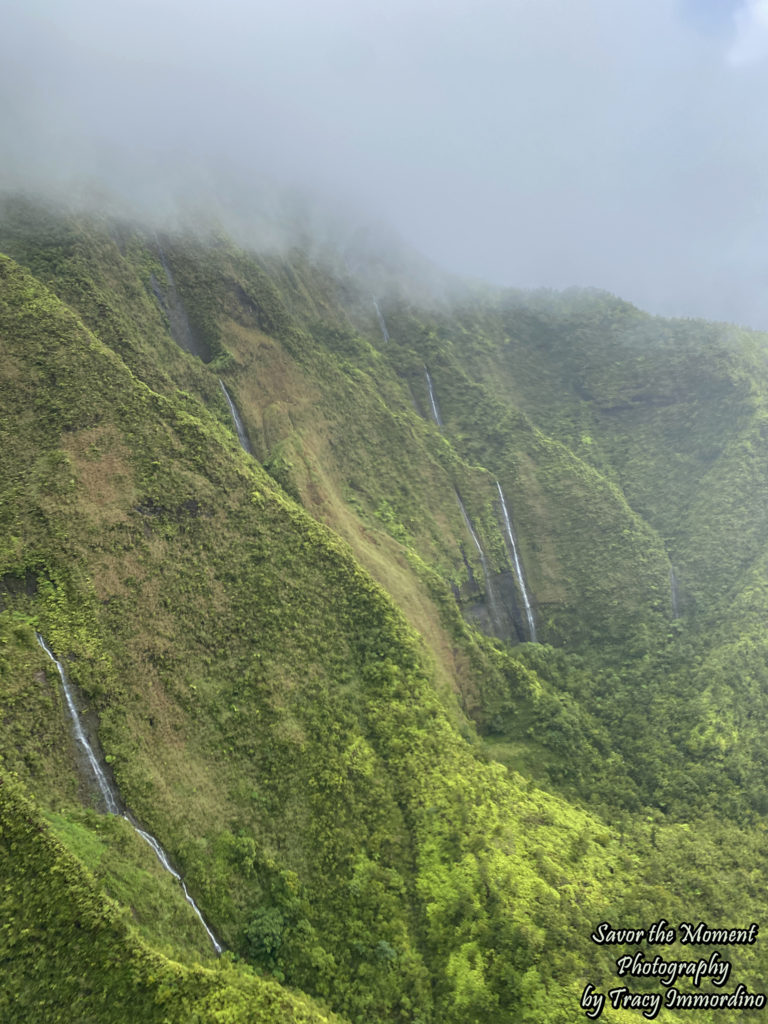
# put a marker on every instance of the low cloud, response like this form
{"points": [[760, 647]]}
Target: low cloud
{"points": [[567, 142], [750, 44]]}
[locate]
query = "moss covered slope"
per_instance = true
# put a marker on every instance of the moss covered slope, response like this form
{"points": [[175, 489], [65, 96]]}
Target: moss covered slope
{"points": [[279, 654]]}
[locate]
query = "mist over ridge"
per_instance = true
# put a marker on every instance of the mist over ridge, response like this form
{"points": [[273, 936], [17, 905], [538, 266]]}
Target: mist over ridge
{"points": [[619, 147]]}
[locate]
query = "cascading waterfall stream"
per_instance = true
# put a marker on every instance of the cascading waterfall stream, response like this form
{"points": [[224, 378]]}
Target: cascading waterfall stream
{"points": [[380, 316], [433, 401], [518, 567], [492, 606], [110, 795], [107, 793], [239, 427], [162, 856], [484, 562]]}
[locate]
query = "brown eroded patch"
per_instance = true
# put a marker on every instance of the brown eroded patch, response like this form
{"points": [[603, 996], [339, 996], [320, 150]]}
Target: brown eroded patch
{"points": [[270, 381], [384, 558], [102, 467], [112, 575]]}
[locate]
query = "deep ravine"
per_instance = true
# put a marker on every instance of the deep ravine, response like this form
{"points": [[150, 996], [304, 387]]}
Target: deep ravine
{"points": [[518, 567], [245, 444], [432, 399], [492, 605], [380, 318]]}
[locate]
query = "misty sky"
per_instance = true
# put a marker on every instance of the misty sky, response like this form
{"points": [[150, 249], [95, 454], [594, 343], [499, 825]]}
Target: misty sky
{"points": [[615, 143]]}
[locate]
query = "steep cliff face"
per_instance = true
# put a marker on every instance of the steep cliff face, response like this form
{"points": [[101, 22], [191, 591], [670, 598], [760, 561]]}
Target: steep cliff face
{"points": [[308, 666], [346, 421]]}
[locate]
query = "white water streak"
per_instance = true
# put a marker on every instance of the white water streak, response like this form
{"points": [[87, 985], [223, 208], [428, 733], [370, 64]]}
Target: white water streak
{"points": [[242, 436], [484, 562], [108, 792], [380, 315], [433, 401], [108, 795], [518, 567], [162, 856]]}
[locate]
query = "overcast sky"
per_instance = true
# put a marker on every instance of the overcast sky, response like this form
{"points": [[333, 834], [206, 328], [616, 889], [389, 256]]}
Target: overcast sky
{"points": [[615, 143]]}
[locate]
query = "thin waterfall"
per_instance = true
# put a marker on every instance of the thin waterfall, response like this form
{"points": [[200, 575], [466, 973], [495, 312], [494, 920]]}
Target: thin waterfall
{"points": [[518, 567], [674, 593], [493, 608], [162, 856], [380, 316], [107, 793], [484, 562], [111, 796], [433, 402], [245, 444]]}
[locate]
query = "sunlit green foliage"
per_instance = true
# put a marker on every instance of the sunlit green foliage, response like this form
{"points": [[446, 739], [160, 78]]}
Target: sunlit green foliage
{"points": [[373, 800]]}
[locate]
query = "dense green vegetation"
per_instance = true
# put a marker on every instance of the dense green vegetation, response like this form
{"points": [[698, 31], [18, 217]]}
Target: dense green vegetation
{"points": [[302, 679], [69, 954]]}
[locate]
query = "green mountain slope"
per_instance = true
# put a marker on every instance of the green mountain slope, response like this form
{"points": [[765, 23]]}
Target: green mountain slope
{"points": [[70, 955], [304, 672]]}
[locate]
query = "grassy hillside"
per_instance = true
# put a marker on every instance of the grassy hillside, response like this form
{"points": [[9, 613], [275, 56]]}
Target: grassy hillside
{"points": [[69, 954], [305, 679]]}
